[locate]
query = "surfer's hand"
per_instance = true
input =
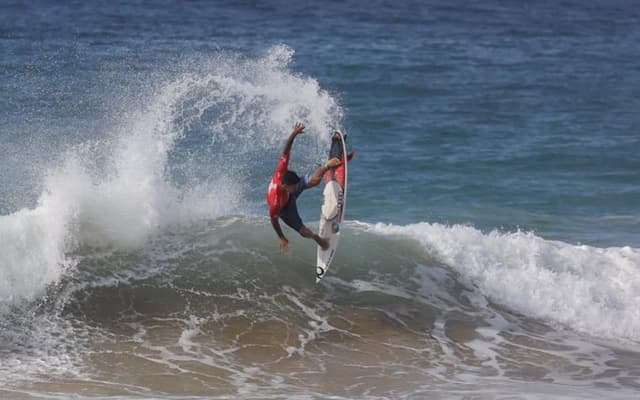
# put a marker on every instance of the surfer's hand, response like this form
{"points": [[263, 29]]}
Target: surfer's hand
{"points": [[334, 162], [284, 244], [298, 128]]}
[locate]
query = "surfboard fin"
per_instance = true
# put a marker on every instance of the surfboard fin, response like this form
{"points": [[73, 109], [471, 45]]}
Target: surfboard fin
{"points": [[350, 155]]}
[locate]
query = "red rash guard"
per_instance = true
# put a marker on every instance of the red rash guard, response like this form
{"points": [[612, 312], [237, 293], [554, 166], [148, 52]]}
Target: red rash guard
{"points": [[277, 198]]}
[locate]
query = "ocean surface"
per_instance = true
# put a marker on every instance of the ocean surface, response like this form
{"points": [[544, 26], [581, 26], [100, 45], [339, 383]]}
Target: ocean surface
{"points": [[492, 242]]}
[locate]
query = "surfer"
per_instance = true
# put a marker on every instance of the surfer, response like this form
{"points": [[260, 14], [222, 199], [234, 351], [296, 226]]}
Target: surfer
{"points": [[284, 189]]}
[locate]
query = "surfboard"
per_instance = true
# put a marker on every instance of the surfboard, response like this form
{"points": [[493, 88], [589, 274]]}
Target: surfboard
{"points": [[334, 204]]}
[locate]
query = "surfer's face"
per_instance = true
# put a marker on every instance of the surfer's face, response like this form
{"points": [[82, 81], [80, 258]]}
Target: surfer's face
{"points": [[288, 188]]}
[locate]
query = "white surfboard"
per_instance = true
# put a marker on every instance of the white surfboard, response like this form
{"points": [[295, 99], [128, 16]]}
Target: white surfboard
{"points": [[333, 206]]}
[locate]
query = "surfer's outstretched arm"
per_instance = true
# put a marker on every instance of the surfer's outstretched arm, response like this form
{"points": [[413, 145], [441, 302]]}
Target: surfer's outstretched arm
{"points": [[284, 243], [316, 178], [298, 128]]}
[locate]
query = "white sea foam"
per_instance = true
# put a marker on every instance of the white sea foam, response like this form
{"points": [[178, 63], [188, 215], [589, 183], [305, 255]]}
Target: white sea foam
{"points": [[592, 290], [33, 242], [131, 196]]}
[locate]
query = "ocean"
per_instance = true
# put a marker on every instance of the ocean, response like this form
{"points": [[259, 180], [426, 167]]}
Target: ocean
{"points": [[491, 248]]}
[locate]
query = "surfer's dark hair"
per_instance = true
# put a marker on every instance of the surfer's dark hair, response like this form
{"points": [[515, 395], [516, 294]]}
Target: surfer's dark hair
{"points": [[290, 178]]}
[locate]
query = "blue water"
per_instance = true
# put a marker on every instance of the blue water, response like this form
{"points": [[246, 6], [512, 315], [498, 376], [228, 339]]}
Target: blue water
{"points": [[496, 115], [511, 117]]}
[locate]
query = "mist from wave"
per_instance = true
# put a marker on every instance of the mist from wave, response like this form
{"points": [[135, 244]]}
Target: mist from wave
{"points": [[137, 187]]}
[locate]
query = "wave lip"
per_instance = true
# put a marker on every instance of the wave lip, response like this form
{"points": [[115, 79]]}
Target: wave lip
{"points": [[591, 290]]}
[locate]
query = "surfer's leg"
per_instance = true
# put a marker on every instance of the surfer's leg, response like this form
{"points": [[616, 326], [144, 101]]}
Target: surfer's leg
{"points": [[290, 216], [314, 179], [306, 232]]}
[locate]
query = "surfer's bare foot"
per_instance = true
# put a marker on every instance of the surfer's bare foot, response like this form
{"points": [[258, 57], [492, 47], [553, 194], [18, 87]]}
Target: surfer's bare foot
{"points": [[323, 243], [305, 232]]}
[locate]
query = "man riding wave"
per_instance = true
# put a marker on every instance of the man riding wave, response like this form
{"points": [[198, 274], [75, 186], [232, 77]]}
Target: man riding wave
{"points": [[284, 189]]}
